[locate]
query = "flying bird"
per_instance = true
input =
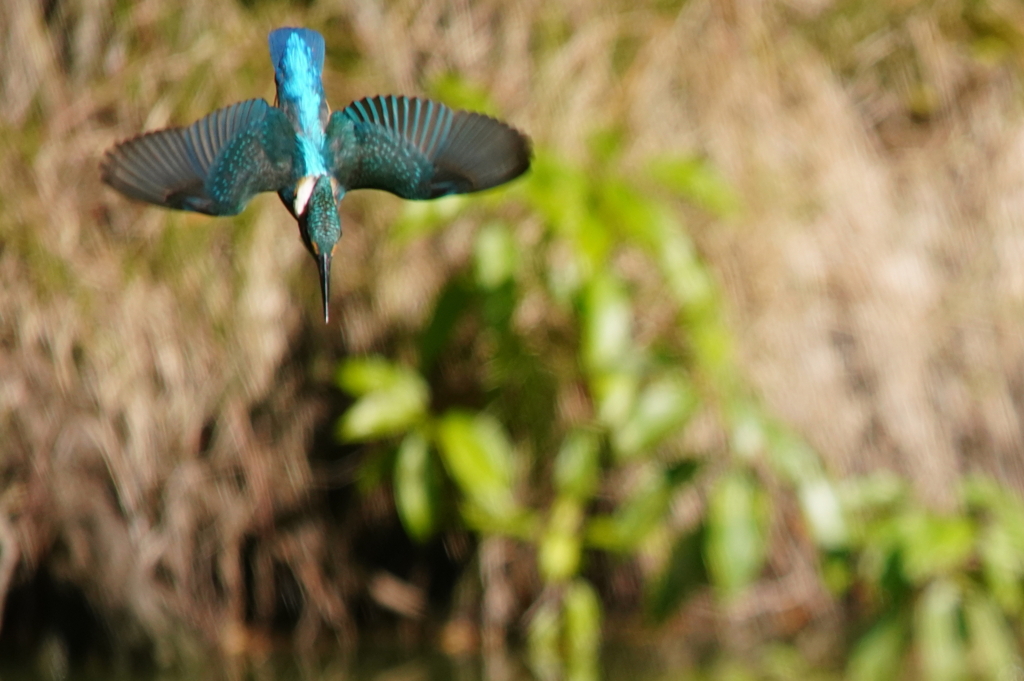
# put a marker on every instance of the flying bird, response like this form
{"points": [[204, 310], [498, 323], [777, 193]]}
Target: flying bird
{"points": [[414, 148]]}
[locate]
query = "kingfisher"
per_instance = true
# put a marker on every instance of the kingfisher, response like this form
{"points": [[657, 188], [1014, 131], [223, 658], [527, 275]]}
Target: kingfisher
{"points": [[412, 147]]}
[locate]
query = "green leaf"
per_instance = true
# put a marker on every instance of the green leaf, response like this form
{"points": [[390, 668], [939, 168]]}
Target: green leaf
{"points": [[736, 536], [661, 409], [498, 306], [992, 643], [1003, 566], [543, 639], [374, 470], [420, 218], [749, 431], [882, 491], [522, 524], [606, 145], [615, 393], [563, 196], [558, 555], [792, 457], [937, 631], [607, 324], [685, 274], [1005, 506], [645, 510], [594, 242], [824, 514], [837, 570], [684, 572], [681, 472], [358, 376], [633, 522], [697, 180], [935, 546], [391, 410], [478, 456], [451, 305], [712, 343], [634, 213], [460, 93], [416, 487], [881, 561], [605, 532], [566, 273], [496, 255], [878, 655], [577, 465], [582, 630]]}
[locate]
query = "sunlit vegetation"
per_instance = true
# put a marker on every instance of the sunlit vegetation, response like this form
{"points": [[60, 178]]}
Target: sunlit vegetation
{"points": [[579, 438]]}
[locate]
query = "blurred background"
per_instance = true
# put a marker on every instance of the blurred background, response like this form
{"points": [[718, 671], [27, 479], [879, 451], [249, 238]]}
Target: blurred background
{"points": [[730, 385]]}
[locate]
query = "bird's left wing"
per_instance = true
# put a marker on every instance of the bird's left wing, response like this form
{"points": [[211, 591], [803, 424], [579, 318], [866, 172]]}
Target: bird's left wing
{"points": [[419, 149], [213, 166]]}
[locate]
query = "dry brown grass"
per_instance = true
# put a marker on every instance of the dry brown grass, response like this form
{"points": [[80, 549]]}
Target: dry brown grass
{"points": [[152, 429], [874, 272]]}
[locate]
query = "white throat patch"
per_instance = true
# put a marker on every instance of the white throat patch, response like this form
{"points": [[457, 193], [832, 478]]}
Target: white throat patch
{"points": [[303, 191]]}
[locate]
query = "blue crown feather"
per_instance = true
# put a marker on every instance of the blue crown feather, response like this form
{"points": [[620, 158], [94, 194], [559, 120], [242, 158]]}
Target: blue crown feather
{"points": [[279, 42]]}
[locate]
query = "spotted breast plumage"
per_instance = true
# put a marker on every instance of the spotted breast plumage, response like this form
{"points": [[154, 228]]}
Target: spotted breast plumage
{"points": [[414, 148]]}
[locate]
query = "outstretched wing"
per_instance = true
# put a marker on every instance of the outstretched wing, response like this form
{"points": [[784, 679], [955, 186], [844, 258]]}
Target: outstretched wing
{"points": [[419, 149], [213, 166]]}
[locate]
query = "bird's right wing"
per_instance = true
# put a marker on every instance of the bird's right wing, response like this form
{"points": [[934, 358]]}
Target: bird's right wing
{"points": [[420, 149], [213, 166]]}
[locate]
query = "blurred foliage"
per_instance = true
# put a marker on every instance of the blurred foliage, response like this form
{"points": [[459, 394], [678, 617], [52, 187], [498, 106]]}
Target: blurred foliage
{"points": [[569, 398], [940, 594], [572, 436]]}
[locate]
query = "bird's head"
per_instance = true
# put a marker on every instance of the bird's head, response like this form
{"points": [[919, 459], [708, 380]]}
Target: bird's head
{"points": [[316, 208]]}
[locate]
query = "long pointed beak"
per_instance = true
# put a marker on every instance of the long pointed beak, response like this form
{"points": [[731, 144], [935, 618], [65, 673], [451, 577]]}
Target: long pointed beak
{"points": [[323, 265]]}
